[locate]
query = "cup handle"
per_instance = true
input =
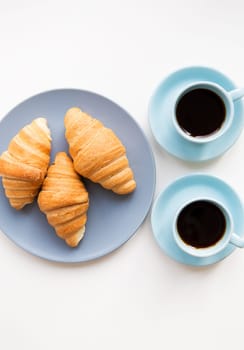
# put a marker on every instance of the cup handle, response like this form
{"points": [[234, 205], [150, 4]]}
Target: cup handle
{"points": [[237, 94], [237, 240]]}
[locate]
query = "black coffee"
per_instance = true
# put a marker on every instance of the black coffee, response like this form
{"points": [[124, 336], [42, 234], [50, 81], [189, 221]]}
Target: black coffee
{"points": [[200, 112], [201, 224]]}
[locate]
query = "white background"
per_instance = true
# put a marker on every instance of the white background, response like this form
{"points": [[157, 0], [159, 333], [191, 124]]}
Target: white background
{"points": [[137, 297]]}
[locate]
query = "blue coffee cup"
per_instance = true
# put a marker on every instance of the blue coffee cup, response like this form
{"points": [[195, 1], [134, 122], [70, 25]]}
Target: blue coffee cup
{"points": [[228, 236], [227, 97]]}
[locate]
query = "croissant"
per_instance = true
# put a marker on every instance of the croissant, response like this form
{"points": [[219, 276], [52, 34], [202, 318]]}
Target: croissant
{"points": [[64, 200], [97, 152], [24, 165]]}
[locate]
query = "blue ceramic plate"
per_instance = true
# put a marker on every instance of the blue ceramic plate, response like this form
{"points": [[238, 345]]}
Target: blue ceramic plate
{"points": [[112, 219], [178, 193], [160, 115]]}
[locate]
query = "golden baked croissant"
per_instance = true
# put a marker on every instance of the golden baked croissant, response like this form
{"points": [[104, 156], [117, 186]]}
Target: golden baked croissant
{"points": [[97, 152], [24, 165], [64, 200]]}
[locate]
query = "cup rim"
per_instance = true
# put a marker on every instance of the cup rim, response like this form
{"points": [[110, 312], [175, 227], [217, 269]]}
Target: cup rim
{"points": [[225, 97], [208, 251]]}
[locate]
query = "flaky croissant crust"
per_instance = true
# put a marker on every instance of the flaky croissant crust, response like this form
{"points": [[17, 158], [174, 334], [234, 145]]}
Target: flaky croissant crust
{"points": [[64, 200], [24, 164], [97, 152]]}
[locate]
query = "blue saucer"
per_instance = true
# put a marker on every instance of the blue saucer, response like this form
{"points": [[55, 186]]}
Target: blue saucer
{"points": [[175, 195], [160, 118]]}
